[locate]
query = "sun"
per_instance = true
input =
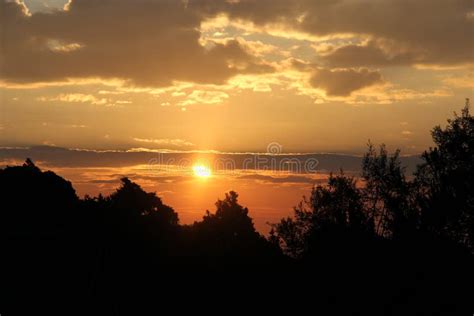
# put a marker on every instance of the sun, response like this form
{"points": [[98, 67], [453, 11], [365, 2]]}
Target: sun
{"points": [[201, 171]]}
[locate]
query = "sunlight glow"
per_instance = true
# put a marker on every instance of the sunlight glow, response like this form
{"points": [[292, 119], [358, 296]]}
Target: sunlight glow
{"points": [[201, 171]]}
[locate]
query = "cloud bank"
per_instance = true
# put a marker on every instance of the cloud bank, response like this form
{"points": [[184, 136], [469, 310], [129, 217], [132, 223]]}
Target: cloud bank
{"points": [[144, 42], [155, 43]]}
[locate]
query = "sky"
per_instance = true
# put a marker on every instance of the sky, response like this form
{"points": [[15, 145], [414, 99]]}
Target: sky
{"points": [[314, 76], [223, 77]]}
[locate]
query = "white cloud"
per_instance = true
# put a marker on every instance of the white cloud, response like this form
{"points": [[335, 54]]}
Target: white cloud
{"points": [[204, 97], [165, 142], [76, 98]]}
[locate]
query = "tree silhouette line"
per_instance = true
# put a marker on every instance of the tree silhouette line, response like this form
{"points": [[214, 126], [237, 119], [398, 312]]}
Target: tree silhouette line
{"points": [[386, 241]]}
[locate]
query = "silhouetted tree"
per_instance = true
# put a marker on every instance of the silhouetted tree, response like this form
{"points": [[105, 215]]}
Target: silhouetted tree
{"points": [[229, 232], [387, 193], [35, 203], [334, 212], [131, 212], [230, 218], [445, 181], [130, 196]]}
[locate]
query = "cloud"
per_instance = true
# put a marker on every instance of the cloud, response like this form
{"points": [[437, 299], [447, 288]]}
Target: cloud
{"points": [[165, 141], [435, 32], [157, 43], [342, 82], [204, 97], [143, 43], [287, 179], [111, 92], [115, 179], [75, 98], [371, 54], [59, 47], [45, 5], [463, 81], [254, 47], [77, 126]]}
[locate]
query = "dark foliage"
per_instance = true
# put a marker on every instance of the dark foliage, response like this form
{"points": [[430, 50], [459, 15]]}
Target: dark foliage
{"points": [[386, 243], [445, 181], [34, 203], [229, 234]]}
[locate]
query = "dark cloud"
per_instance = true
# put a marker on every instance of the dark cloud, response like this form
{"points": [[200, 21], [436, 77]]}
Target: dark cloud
{"points": [[427, 31], [62, 157], [372, 54], [147, 42], [260, 12], [156, 42], [115, 178], [342, 82], [103, 181], [287, 179], [338, 81]]}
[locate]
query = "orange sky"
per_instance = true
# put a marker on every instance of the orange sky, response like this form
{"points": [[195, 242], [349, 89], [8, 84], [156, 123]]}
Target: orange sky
{"points": [[270, 195], [232, 75], [268, 200]]}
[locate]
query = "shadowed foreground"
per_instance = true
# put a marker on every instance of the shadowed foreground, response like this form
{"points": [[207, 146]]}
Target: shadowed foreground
{"points": [[394, 245]]}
